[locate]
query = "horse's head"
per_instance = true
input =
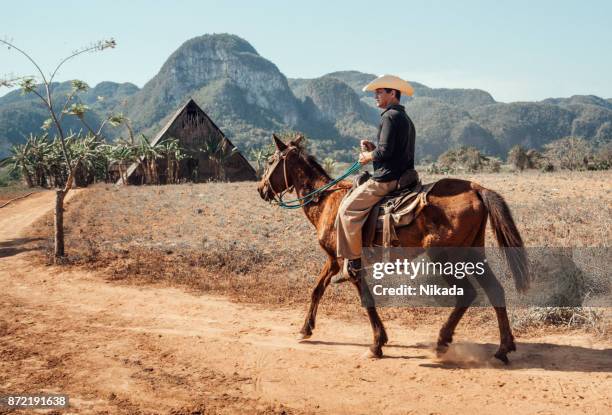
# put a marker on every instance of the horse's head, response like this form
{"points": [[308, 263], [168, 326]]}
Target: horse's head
{"points": [[277, 178]]}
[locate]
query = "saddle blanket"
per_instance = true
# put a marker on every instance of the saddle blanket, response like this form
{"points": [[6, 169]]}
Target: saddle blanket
{"points": [[395, 210]]}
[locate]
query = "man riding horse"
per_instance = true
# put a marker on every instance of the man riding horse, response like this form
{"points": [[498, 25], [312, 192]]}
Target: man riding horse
{"points": [[392, 157], [455, 214]]}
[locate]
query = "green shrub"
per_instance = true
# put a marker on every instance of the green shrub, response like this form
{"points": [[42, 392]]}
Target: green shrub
{"points": [[464, 159], [570, 153], [517, 156]]}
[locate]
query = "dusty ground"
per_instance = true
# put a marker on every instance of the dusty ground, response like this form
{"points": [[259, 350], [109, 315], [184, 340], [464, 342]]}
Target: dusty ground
{"points": [[120, 348], [223, 239], [8, 193]]}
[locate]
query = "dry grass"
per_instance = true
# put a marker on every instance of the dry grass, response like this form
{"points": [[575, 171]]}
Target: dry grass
{"points": [[222, 238], [15, 190], [591, 318], [556, 209]]}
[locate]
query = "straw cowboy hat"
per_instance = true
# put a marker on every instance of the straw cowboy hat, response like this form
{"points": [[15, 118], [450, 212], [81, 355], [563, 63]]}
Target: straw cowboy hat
{"points": [[392, 82]]}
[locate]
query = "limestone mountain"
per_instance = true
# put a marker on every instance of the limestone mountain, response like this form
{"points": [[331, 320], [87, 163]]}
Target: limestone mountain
{"points": [[330, 100], [467, 98], [580, 99], [446, 118], [248, 97], [242, 91]]}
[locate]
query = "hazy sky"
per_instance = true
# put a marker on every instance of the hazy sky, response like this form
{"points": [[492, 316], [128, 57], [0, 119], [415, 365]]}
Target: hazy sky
{"points": [[518, 50]]}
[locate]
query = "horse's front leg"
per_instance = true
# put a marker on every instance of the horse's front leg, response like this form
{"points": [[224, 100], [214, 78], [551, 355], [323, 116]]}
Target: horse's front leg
{"points": [[330, 269], [378, 329]]}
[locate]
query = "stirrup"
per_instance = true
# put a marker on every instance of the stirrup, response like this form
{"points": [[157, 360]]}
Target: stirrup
{"points": [[344, 275], [353, 273]]}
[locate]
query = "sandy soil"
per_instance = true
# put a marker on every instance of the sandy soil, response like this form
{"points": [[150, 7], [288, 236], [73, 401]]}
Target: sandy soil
{"points": [[124, 349]]}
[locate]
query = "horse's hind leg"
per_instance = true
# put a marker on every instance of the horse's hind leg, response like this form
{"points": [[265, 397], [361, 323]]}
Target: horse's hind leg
{"points": [[462, 304], [330, 269], [495, 293], [378, 329]]}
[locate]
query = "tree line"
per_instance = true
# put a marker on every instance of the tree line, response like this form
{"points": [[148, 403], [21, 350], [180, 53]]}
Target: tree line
{"points": [[39, 160], [568, 153]]}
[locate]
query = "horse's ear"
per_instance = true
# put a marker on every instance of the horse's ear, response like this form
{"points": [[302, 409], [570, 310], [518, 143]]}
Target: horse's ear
{"points": [[278, 143], [298, 140]]}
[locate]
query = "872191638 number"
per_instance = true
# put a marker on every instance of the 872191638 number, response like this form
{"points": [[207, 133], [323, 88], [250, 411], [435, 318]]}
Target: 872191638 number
{"points": [[34, 401]]}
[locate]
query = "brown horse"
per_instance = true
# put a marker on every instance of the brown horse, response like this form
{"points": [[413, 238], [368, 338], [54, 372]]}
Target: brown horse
{"points": [[455, 216]]}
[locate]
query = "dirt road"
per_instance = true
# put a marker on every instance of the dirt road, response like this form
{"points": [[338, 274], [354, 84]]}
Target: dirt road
{"points": [[125, 349]]}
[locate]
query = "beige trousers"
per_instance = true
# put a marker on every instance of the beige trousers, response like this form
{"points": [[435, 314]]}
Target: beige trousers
{"points": [[353, 213]]}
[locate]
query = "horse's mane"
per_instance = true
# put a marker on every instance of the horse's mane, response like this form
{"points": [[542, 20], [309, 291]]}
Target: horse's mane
{"points": [[316, 169]]}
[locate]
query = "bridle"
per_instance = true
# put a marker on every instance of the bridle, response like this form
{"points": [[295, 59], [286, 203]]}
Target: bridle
{"points": [[313, 196], [279, 156]]}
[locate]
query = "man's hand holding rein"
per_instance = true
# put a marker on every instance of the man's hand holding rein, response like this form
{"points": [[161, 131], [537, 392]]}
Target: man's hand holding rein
{"points": [[365, 157]]}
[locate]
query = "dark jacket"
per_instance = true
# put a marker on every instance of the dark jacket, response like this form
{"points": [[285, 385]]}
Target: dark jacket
{"points": [[394, 153]]}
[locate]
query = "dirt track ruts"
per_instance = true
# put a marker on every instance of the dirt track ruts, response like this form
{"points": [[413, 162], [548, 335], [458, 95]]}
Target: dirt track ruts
{"points": [[123, 349]]}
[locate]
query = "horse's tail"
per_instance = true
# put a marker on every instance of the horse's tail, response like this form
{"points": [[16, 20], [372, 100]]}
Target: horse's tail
{"points": [[507, 236]]}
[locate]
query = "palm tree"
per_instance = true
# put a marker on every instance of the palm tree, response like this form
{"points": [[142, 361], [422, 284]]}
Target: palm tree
{"points": [[210, 148], [260, 156], [33, 160], [171, 150], [21, 162], [218, 153], [149, 154], [40, 151], [123, 154], [90, 158], [329, 164], [178, 156], [223, 155], [106, 152]]}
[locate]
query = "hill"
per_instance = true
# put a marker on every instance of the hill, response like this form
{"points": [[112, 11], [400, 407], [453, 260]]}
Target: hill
{"points": [[248, 97], [21, 115], [446, 118]]}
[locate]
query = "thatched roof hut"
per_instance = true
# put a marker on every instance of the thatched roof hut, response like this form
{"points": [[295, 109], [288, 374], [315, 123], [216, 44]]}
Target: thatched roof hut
{"points": [[197, 134]]}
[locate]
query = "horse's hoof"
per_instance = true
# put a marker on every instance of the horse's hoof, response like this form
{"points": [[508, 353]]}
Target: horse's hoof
{"points": [[373, 354], [303, 336], [383, 338], [503, 357], [441, 349]]}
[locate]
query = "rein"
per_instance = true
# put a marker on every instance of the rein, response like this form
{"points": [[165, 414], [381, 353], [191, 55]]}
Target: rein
{"points": [[310, 197]]}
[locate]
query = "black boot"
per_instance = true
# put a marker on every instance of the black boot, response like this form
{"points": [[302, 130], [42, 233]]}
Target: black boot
{"points": [[354, 264], [355, 273], [353, 268], [350, 270]]}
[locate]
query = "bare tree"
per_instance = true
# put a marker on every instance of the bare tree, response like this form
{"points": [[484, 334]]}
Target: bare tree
{"points": [[28, 84]]}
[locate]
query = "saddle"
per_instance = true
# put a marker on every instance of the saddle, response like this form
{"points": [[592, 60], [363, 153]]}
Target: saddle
{"points": [[397, 209]]}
